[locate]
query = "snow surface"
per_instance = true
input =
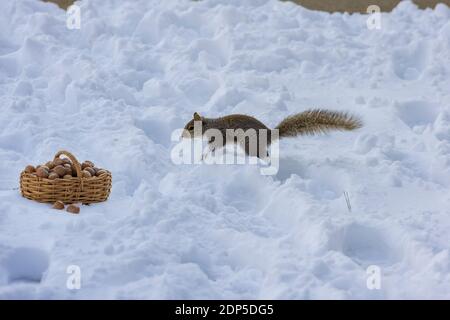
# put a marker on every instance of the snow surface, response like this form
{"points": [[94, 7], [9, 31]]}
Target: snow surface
{"points": [[114, 91]]}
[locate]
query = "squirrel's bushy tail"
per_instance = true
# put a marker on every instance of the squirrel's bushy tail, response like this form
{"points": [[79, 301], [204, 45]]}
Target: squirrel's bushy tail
{"points": [[317, 121]]}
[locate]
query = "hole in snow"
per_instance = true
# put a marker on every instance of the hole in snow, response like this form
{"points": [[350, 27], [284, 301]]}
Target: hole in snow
{"points": [[26, 265], [363, 244], [415, 113]]}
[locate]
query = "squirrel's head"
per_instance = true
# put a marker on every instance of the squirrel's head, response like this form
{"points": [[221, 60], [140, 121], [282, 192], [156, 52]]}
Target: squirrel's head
{"points": [[189, 131]]}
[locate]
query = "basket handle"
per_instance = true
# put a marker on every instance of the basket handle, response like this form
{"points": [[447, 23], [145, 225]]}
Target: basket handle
{"points": [[74, 161]]}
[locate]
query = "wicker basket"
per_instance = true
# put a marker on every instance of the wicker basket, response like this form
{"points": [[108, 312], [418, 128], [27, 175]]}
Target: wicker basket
{"points": [[67, 190]]}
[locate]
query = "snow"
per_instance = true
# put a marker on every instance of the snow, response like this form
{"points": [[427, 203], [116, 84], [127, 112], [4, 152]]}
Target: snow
{"points": [[114, 91]]}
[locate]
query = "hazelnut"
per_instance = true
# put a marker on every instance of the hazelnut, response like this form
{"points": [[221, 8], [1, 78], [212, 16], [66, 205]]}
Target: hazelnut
{"points": [[66, 161], [59, 205], [41, 172], [68, 168], [67, 176], [73, 209], [58, 162], [30, 169], [100, 172], [87, 164], [45, 167], [60, 170], [50, 165], [53, 176], [86, 174], [90, 170], [71, 171]]}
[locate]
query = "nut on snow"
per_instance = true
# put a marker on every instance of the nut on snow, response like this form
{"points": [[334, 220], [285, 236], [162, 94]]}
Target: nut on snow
{"points": [[73, 209], [59, 205]]}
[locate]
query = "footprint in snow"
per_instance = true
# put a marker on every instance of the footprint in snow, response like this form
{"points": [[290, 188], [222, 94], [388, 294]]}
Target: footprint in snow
{"points": [[363, 244], [409, 63], [25, 264]]}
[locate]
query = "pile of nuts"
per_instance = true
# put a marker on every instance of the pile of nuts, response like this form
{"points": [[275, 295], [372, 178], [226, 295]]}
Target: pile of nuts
{"points": [[64, 169]]}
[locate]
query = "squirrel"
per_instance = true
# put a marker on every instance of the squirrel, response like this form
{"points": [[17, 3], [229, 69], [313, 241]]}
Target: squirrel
{"points": [[309, 122]]}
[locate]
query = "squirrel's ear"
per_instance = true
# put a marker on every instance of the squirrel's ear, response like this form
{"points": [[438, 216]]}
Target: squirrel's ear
{"points": [[197, 117]]}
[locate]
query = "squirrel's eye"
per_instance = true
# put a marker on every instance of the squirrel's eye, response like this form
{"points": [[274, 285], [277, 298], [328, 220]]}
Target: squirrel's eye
{"points": [[191, 128]]}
